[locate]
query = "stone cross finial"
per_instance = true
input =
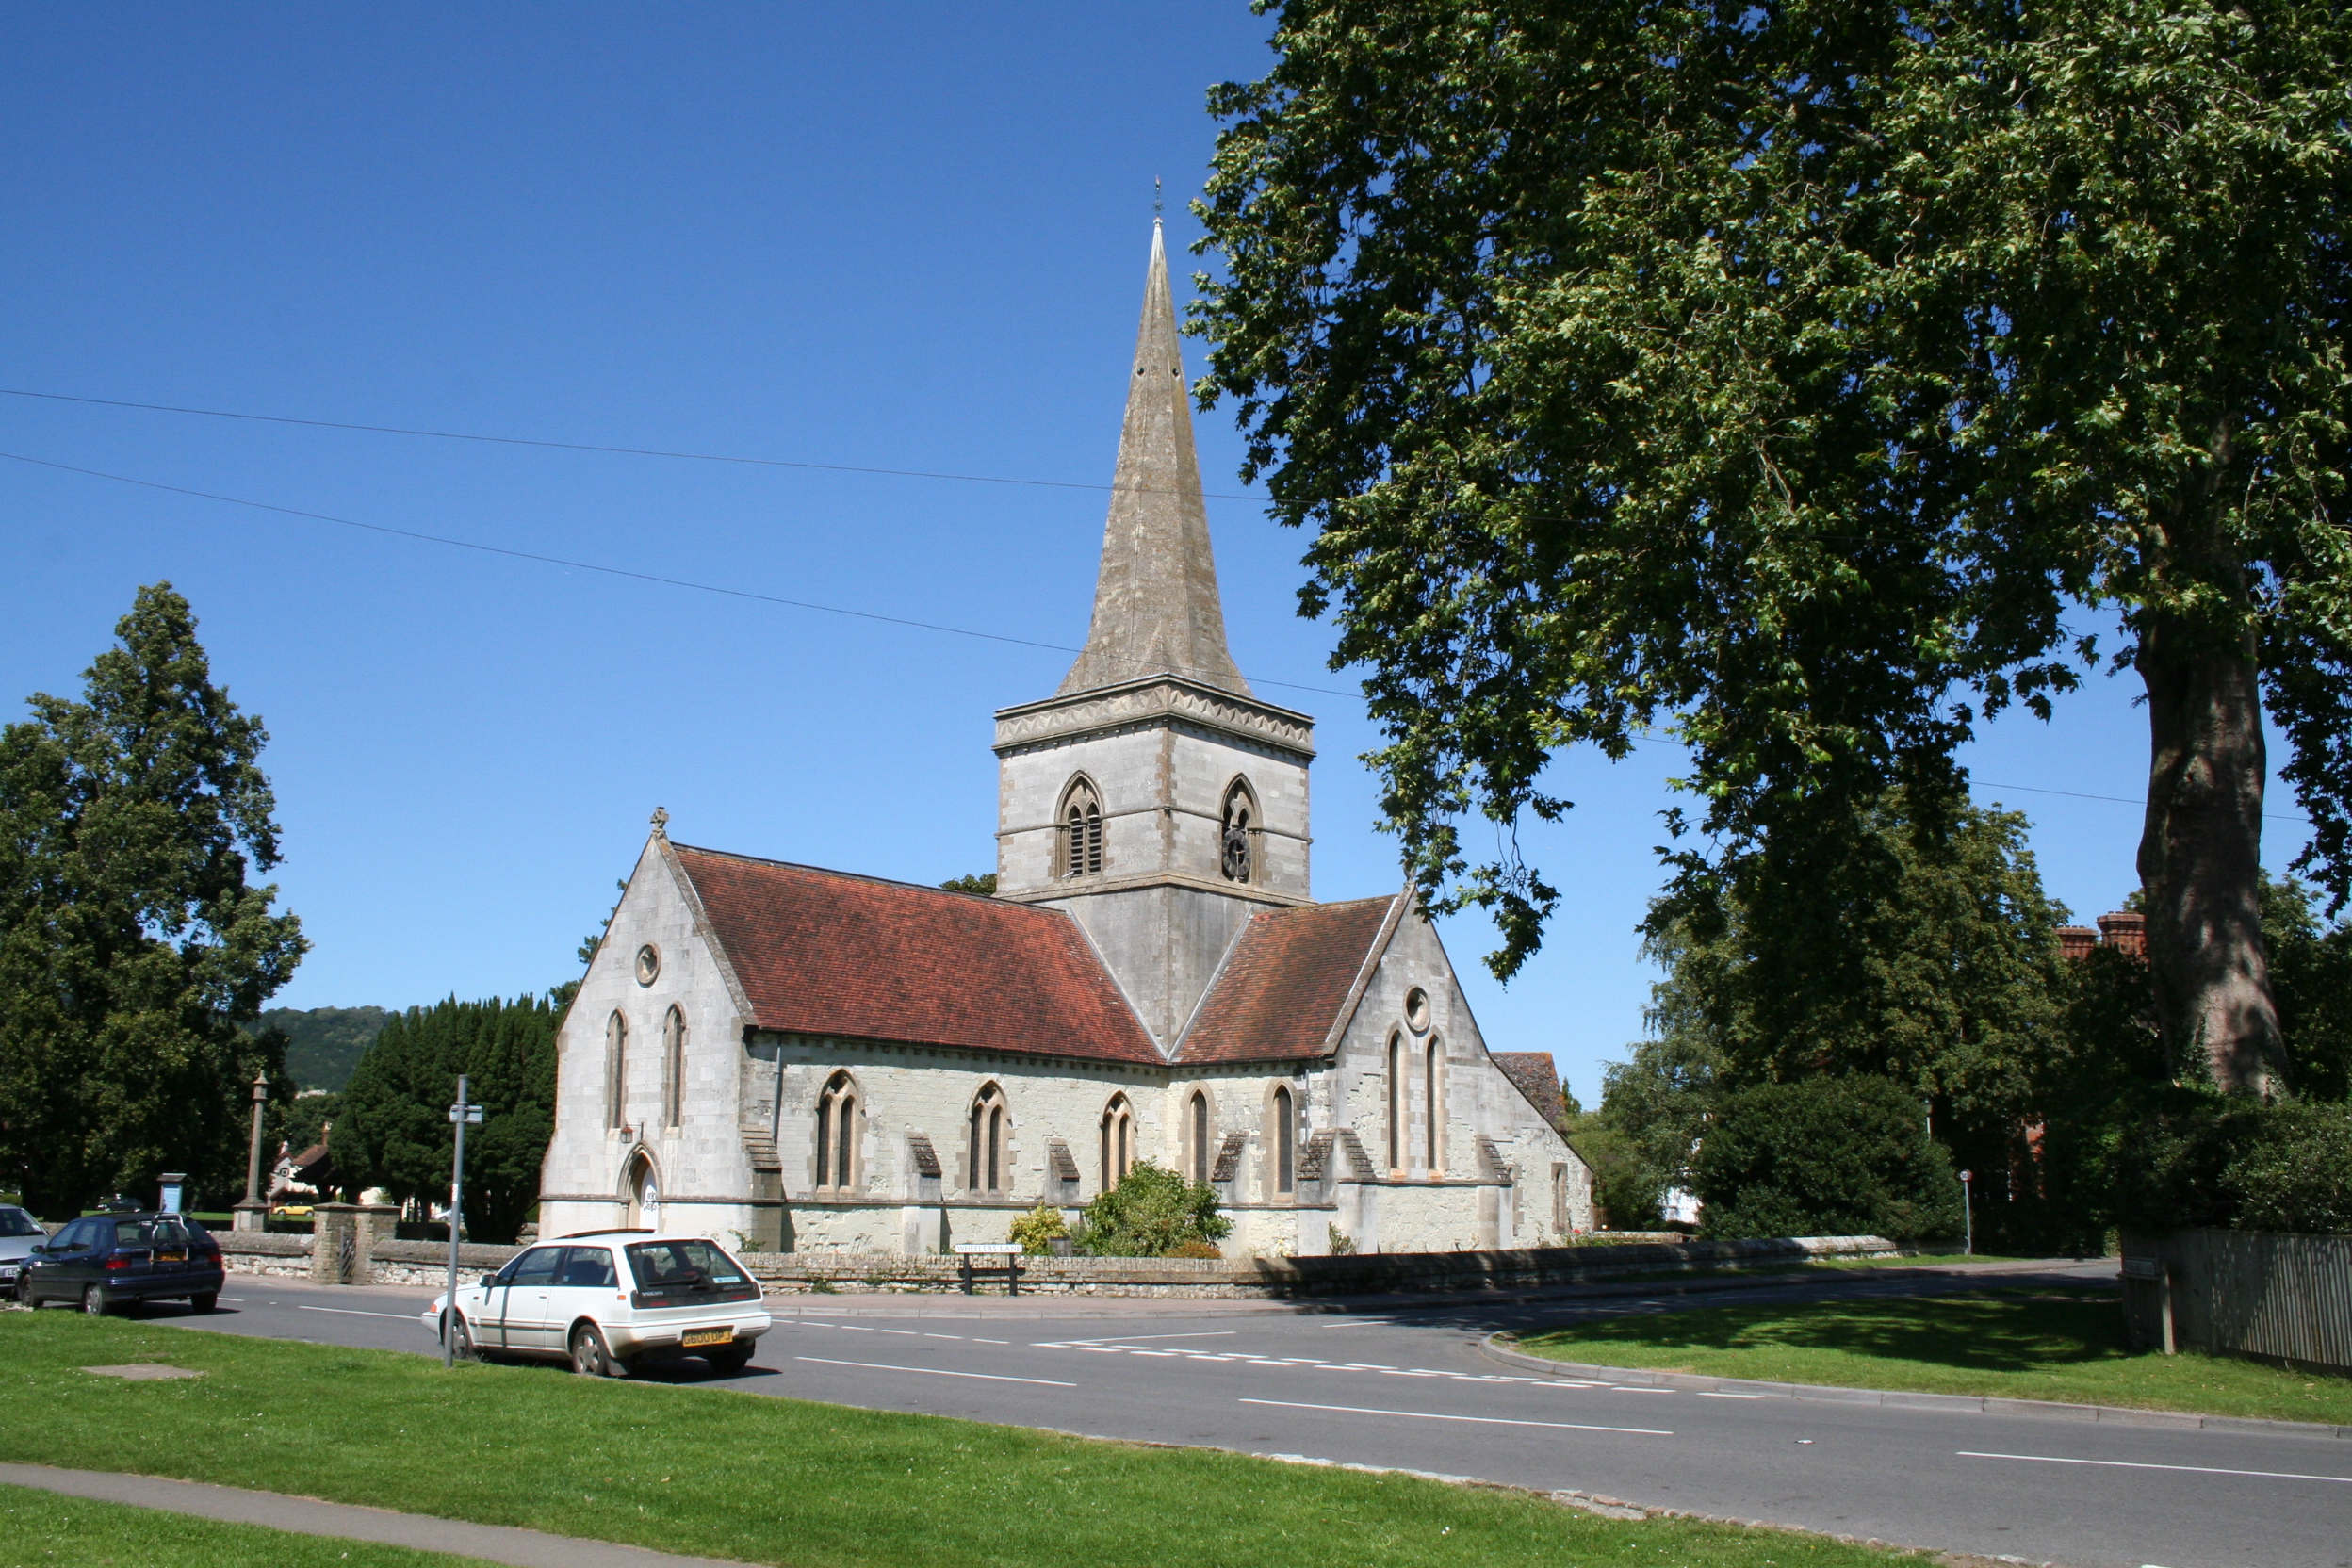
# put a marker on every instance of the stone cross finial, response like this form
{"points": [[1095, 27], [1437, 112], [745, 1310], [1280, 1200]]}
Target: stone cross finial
{"points": [[661, 821]]}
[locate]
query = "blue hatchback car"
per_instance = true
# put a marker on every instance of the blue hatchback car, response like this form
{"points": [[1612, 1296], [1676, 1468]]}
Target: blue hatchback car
{"points": [[111, 1260]]}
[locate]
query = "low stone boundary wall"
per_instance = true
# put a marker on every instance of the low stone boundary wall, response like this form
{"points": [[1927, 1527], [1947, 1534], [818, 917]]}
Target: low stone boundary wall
{"points": [[425, 1263]]}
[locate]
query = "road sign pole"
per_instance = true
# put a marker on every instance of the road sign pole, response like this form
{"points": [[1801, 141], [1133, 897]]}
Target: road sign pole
{"points": [[1968, 1212], [461, 1115]]}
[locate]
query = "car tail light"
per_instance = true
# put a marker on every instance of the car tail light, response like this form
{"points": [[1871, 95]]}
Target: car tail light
{"points": [[118, 1263]]}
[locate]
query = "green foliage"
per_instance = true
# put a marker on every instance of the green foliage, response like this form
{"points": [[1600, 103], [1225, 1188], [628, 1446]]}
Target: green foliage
{"points": [[1339, 1242], [982, 882], [394, 1131], [133, 951], [1792, 378], [2311, 973], [1827, 1156], [1150, 1214], [2293, 1173], [323, 1044], [1038, 1229]]}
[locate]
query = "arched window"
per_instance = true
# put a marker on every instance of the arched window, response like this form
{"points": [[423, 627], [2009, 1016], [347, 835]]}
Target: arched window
{"points": [[616, 1071], [673, 1068], [1198, 1123], [1396, 1103], [837, 1135], [1433, 1100], [1118, 1141], [1237, 842], [1081, 830], [991, 1153], [1282, 1139]]}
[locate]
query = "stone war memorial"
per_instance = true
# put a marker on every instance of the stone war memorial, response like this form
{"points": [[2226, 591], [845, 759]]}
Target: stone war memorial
{"points": [[806, 1060]]}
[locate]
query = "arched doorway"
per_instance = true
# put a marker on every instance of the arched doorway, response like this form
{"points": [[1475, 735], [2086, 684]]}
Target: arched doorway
{"points": [[642, 1186]]}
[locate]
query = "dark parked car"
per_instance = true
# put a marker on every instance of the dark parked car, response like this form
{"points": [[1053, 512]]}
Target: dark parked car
{"points": [[106, 1261]]}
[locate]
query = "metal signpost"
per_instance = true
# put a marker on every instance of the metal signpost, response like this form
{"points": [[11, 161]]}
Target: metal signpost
{"points": [[462, 1115], [1968, 1212]]}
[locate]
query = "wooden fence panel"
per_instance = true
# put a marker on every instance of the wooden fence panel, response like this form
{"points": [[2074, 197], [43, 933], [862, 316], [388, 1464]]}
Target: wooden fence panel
{"points": [[2284, 1299]]}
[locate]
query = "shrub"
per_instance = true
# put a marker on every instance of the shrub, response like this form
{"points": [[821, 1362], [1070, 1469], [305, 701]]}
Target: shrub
{"points": [[1152, 1213], [1197, 1250], [1341, 1244], [2292, 1170], [1826, 1157], [1038, 1229]]}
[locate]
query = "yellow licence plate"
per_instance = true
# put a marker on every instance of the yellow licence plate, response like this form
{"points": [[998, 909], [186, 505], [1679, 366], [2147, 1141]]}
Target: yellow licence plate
{"points": [[706, 1336], [171, 1257]]}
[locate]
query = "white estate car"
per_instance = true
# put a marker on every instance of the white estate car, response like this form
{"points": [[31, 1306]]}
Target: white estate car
{"points": [[609, 1299]]}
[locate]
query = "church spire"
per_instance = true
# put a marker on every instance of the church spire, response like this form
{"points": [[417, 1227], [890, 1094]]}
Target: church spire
{"points": [[1155, 605]]}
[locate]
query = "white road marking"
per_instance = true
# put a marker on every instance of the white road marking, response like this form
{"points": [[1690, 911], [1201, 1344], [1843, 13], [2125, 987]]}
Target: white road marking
{"points": [[1483, 1420], [1705, 1395], [355, 1311], [2136, 1464], [1638, 1388], [910, 1334], [942, 1336], [1112, 1339], [977, 1340], [938, 1372]]}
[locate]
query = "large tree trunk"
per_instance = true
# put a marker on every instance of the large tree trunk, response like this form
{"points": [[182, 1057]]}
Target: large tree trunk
{"points": [[2200, 866]]}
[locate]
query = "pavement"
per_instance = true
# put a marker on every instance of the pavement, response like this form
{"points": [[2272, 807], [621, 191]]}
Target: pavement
{"points": [[1403, 1384]]}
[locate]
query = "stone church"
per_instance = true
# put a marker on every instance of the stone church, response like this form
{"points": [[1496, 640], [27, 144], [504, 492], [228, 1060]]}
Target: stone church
{"points": [[793, 1058]]}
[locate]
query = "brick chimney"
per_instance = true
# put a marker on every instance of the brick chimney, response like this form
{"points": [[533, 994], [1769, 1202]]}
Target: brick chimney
{"points": [[2125, 931], [2075, 942]]}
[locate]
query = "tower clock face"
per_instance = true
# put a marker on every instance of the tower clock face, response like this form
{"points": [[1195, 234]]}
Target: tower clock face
{"points": [[648, 964]]}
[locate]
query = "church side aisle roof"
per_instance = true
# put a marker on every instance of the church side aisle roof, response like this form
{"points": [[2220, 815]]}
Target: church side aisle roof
{"points": [[1281, 992], [829, 953], [1534, 1074]]}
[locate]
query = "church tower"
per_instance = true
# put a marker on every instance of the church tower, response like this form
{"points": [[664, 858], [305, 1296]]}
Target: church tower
{"points": [[1153, 796]]}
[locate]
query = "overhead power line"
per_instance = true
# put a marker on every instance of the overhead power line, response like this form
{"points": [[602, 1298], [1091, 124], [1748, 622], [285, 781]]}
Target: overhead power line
{"points": [[589, 566], [617, 451]]}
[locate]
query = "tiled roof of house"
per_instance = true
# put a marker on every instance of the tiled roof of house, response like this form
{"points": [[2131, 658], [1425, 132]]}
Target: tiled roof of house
{"points": [[828, 953], [1283, 988], [1534, 1074]]}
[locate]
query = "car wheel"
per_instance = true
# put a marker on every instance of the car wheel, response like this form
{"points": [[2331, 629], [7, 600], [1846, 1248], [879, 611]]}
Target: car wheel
{"points": [[95, 1300], [728, 1362], [592, 1357], [462, 1345], [205, 1303]]}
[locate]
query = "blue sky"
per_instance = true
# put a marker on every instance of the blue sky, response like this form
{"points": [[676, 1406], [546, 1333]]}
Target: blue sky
{"points": [[901, 236]]}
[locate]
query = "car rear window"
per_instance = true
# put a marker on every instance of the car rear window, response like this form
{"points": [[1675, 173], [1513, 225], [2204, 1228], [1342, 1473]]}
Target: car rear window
{"points": [[683, 1268], [161, 1231]]}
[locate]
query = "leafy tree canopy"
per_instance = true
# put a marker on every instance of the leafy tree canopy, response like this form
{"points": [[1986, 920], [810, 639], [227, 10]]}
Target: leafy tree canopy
{"points": [[323, 1044], [1827, 1156], [394, 1131], [1808, 380], [978, 882], [132, 947]]}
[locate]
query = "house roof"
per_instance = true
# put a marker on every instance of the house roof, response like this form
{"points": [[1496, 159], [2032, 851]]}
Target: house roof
{"points": [[1285, 982], [1534, 1074], [828, 953]]}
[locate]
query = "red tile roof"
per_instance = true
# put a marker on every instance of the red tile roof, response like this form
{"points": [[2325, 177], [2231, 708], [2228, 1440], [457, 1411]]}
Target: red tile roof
{"points": [[1536, 1075], [826, 952], [1285, 982]]}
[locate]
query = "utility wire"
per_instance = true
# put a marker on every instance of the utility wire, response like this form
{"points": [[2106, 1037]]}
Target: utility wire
{"points": [[744, 593], [619, 451]]}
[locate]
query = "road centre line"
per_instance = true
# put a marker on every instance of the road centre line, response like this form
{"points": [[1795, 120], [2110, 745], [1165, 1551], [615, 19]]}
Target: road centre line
{"points": [[1707, 1395], [936, 1371], [977, 1340], [2137, 1464], [355, 1311], [1482, 1420], [1100, 1339]]}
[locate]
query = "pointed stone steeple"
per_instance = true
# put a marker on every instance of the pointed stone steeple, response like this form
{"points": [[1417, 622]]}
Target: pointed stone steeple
{"points": [[1155, 605]]}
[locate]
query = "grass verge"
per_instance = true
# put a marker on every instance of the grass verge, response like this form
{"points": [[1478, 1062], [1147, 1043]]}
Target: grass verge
{"points": [[2040, 1344], [42, 1529], [769, 1480]]}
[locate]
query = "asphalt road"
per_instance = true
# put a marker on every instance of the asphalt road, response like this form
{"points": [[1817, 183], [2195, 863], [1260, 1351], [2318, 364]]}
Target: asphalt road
{"points": [[1406, 1386]]}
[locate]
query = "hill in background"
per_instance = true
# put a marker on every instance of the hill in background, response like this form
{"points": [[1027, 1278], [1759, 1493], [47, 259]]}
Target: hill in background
{"points": [[324, 1043]]}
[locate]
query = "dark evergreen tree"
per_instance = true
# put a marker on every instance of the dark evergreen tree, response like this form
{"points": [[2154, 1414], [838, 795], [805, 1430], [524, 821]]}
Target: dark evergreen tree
{"points": [[133, 950], [394, 1130], [1826, 1156]]}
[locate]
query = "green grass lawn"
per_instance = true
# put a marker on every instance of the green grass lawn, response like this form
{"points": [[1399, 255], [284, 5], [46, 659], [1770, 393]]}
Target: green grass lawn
{"points": [[40, 1529], [2039, 1344], [702, 1470]]}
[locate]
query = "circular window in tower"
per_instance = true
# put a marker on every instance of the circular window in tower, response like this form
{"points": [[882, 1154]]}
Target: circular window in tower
{"points": [[648, 964], [1418, 1010]]}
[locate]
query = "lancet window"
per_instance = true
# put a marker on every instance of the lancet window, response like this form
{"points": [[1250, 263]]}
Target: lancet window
{"points": [[1396, 1103], [1118, 1141], [1432, 1097], [1081, 829], [616, 1071], [992, 1162], [837, 1135], [1237, 843], [1282, 1140], [673, 1068], [1198, 1123]]}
